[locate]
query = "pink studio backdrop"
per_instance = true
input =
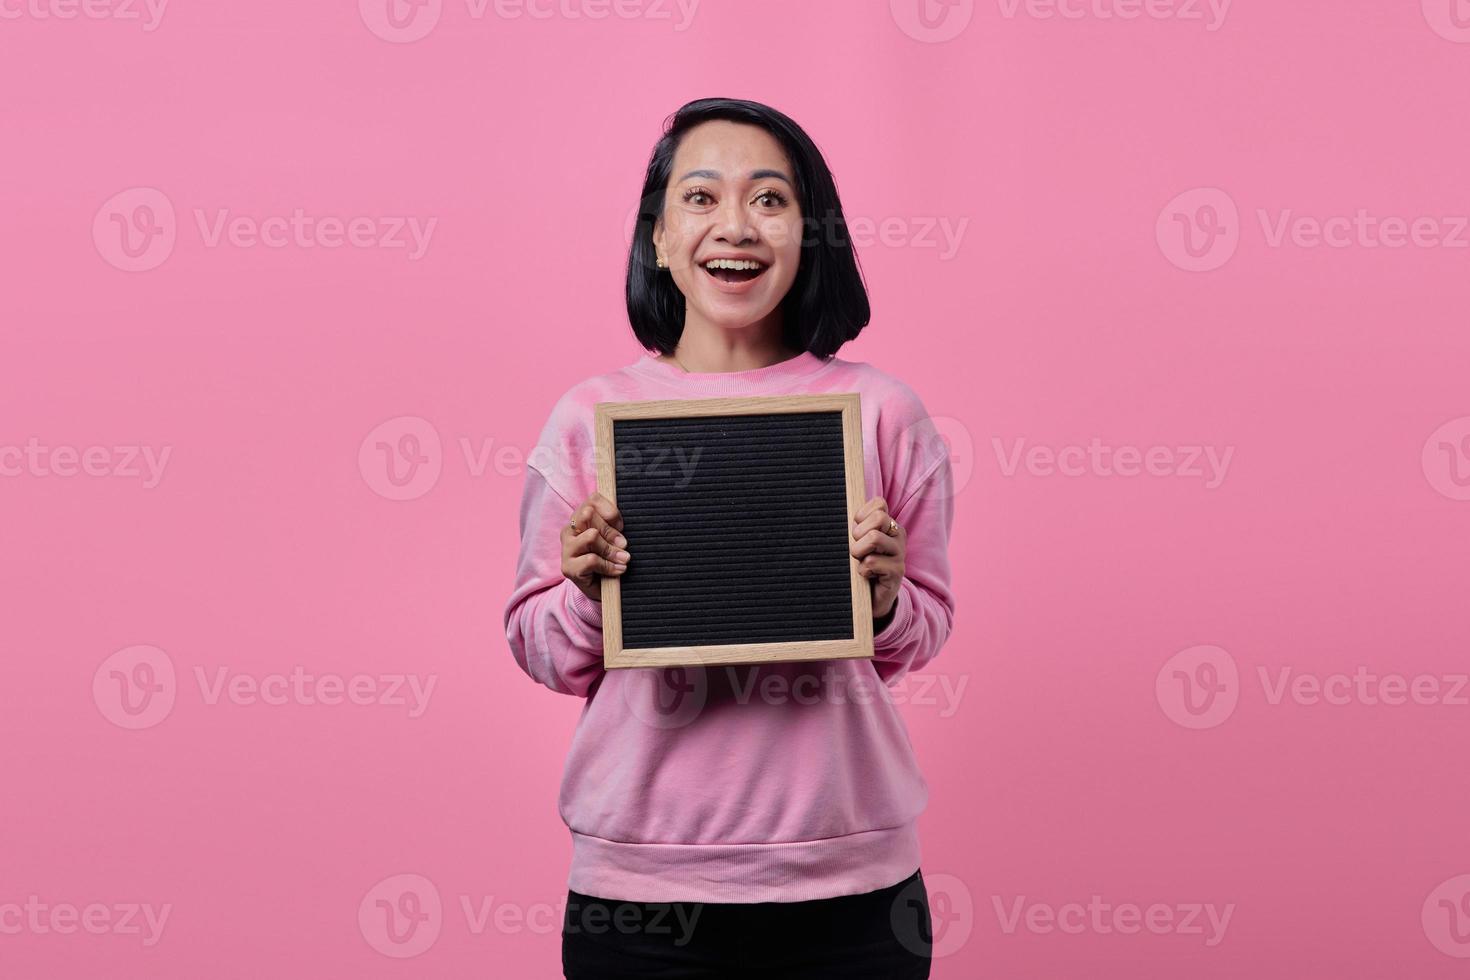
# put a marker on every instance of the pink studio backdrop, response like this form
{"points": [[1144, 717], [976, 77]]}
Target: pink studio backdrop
{"points": [[1185, 285]]}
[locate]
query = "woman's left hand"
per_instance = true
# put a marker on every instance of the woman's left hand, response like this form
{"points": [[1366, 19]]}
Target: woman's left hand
{"points": [[879, 553]]}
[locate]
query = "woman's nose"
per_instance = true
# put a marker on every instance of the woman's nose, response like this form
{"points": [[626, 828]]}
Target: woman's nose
{"points": [[734, 223]]}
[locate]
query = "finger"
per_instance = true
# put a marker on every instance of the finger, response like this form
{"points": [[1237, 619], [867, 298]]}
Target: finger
{"points": [[592, 542], [588, 516], [869, 506], [878, 567], [598, 543], [876, 543], [585, 566], [606, 509], [876, 521]]}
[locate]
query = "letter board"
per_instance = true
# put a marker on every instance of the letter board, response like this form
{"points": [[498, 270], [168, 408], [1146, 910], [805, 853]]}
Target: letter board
{"points": [[737, 513]]}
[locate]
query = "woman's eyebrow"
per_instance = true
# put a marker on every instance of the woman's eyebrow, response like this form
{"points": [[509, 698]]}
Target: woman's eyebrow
{"points": [[754, 175]]}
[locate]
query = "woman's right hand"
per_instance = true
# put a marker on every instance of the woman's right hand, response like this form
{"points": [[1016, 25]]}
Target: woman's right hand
{"points": [[596, 548]]}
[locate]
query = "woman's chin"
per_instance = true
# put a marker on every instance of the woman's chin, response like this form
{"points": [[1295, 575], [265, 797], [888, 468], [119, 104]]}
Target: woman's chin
{"points": [[737, 315]]}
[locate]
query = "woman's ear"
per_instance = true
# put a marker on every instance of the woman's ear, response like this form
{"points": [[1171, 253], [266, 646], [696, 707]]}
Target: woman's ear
{"points": [[658, 236]]}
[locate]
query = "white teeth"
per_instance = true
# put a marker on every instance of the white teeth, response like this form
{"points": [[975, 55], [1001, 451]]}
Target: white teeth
{"points": [[734, 264]]}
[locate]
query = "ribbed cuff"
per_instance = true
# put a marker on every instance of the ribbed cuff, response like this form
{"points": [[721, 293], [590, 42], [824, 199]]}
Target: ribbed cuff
{"points": [[590, 612], [903, 617]]}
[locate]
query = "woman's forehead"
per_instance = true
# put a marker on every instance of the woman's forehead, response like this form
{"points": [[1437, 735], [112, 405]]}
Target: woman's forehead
{"points": [[723, 150]]}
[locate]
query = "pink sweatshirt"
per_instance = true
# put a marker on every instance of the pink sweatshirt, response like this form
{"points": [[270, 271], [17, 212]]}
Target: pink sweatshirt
{"points": [[762, 783]]}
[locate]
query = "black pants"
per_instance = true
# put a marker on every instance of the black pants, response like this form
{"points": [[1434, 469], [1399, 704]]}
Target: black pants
{"points": [[880, 935]]}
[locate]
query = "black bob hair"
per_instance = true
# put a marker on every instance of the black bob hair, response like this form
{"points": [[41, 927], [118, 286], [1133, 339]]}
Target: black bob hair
{"points": [[827, 304]]}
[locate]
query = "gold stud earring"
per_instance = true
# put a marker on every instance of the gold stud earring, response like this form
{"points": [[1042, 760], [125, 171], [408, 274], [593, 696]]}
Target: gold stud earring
{"points": [[661, 263]]}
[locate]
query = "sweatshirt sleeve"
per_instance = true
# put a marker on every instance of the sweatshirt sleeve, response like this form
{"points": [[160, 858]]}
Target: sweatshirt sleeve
{"points": [[553, 628], [918, 485]]}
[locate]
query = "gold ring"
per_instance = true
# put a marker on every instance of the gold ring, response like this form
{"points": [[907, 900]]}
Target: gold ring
{"points": [[892, 526], [574, 526]]}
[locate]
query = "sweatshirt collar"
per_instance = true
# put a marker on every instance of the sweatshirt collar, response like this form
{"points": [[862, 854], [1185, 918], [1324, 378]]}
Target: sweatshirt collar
{"points": [[801, 366]]}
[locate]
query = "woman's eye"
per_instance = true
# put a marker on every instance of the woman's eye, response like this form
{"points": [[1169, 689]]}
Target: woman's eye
{"points": [[773, 196], [689, 196]]}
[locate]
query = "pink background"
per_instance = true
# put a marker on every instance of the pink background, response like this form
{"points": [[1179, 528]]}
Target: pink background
{"points": [[1079, 758]]}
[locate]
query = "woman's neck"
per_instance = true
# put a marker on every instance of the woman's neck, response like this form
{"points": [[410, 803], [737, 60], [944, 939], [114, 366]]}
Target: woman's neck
{"points": [[717, 351]]}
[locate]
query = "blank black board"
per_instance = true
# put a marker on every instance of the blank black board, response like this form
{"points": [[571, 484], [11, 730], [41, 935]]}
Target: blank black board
{"points": [[738, 524]]}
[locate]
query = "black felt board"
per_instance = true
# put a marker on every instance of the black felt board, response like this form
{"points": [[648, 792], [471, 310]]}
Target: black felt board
{"points": [[738, 527], [737, 513]]}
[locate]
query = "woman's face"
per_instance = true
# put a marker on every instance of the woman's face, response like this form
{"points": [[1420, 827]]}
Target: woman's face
{"points": [[730, 196]]}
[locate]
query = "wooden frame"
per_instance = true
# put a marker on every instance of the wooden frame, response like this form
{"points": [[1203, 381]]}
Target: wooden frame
{"points": [[861, 643]]}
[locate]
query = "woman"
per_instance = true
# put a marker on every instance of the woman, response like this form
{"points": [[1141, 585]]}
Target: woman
{"points": [[758, 818]]}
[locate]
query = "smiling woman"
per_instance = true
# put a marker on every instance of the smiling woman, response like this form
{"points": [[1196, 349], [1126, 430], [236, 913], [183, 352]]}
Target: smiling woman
{"points": [[785, 826], [734, 183]]}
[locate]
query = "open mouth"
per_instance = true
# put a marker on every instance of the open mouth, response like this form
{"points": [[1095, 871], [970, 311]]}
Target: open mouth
{"points": [[734, 270]]}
